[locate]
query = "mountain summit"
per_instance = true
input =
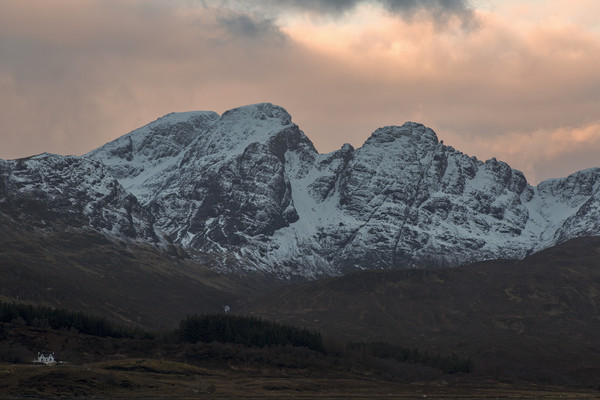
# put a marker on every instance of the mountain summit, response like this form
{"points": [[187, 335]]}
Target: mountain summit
{"points": [[247, 190]]}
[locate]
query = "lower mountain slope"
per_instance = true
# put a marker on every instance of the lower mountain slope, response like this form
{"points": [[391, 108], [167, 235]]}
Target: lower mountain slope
{"points": [[125, 281], [538, 317]]}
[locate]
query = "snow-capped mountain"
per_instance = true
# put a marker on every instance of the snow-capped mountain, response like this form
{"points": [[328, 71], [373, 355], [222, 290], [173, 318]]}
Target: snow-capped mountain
{"points": [[247, 190]]}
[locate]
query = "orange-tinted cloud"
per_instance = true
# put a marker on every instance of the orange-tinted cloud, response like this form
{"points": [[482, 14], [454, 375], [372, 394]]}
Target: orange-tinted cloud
{"points": [[77, 73], [541, 153]]}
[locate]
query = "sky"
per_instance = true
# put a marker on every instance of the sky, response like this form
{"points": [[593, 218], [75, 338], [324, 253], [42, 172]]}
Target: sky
{"points": [[515, 80]]}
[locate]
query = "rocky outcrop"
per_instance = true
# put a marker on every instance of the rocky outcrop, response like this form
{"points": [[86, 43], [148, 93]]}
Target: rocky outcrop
{"points": [[53, 192]]}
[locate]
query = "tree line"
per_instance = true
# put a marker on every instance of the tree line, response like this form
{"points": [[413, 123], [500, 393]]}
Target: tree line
{"points": [[248, 331], [449, 364], [56, 318], [221, 328]]}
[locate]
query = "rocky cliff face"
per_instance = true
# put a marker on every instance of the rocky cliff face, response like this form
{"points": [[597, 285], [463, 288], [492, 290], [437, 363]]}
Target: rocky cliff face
{"points": [[248, 190]]}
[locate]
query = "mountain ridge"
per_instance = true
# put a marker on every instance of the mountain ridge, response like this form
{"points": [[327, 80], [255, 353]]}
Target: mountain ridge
{"points": [[248, 191]]}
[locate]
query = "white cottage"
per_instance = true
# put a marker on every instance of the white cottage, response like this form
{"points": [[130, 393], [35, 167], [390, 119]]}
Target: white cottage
{"points": [[45, 359]]}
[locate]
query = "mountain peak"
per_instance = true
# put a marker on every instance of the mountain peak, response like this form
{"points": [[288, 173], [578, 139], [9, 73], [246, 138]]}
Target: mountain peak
{"points": [[260, 111], [186, 116], [411, 131], [165, 136]]}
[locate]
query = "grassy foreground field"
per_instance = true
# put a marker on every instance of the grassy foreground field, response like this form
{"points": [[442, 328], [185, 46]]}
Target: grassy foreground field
{"points": [[144, 378]]}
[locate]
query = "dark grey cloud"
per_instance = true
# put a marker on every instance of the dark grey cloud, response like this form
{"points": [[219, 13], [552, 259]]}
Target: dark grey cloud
{"points": [[257, 21], [445, 6], [250, 28], [318, 6], [440, 10]]}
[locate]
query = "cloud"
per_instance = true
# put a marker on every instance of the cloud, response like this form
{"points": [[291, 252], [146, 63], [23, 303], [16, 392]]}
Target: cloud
{"points": [[543, 153], [395, 6], [481, 88], [439, 10], [75, 74], [80, 73], [334, 7], [250, 28]]}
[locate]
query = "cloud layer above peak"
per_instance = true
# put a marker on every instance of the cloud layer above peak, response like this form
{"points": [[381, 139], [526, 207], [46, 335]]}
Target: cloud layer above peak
{"points": [[516, 80]]}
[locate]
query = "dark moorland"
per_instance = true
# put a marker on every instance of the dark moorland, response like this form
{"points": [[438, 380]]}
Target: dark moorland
{"points": [[535, 319], [250, 358], [499, 328], [132, 284]]}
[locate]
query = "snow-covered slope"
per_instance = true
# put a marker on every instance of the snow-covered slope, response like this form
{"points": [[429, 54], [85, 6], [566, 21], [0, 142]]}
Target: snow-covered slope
{"points": [[139, 157], [248, 191], [53, 192]]}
